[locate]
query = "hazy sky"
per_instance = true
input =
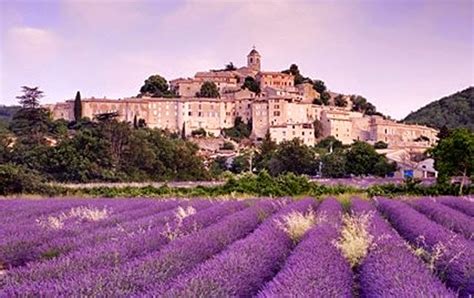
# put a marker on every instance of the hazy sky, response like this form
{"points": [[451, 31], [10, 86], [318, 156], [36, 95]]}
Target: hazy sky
{"points": [[399, 54]]}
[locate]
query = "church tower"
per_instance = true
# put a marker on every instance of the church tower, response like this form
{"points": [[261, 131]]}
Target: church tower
{"points": [[253, 60]]}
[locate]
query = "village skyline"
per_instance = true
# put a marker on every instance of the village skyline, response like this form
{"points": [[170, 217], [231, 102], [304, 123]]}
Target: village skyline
{"points": [[389, 52]]}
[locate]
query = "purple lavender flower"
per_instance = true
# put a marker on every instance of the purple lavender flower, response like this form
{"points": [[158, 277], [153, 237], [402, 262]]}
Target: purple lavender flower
{"points": [[463, 204], [85, 265], [34, 242], [451, 254], [245, 265], [450, 218], [154, 271], [316, 268], [390, 268]]}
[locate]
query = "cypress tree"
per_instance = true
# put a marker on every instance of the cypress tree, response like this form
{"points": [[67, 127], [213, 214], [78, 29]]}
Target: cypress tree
{"points": [[77, 107], [183, 132], [135, 122]]}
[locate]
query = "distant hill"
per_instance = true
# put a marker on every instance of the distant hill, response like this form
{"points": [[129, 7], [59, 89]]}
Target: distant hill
{"points": [[6, 113], [454, 111]]}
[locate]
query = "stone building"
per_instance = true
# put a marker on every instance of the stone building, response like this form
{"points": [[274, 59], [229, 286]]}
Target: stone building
{"points": [[282, 109]]}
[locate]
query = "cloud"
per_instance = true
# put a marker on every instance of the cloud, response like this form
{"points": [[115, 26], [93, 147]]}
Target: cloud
{"points": [[30, 45]]}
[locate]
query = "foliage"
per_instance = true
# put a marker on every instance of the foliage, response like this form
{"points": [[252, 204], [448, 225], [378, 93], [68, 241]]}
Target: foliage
{"points": [[292, 156], [240, 130], [31, 121], [77, 107], [241, 163], [155, 86], [200, 132], [340, 101], [454, 155], [324, 98], [16, 179], [334, 164], [319, 86], [380, 145], [453, 111], [362, 159], [208, 90], [230, 66], [265, 152], [318, 128], [7, 112], [330, 142], [360, 104], [228, 146], [298, 77], [251, 84]]}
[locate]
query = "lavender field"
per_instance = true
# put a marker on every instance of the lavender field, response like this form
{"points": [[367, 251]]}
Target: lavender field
{"points": [[421, 247]]}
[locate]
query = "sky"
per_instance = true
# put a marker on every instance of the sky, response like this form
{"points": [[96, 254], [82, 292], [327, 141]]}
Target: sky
{"points": [[399, 54]]}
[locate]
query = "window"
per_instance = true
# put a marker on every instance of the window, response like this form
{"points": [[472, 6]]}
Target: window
{"points": [[276, 113], [199, 114], [189, 113]]}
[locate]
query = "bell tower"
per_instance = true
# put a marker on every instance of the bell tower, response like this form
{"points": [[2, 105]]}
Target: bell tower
{"points": [[253, 59]]}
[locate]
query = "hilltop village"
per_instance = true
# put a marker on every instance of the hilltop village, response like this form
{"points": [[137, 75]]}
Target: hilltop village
{"points": [[273, 102]]}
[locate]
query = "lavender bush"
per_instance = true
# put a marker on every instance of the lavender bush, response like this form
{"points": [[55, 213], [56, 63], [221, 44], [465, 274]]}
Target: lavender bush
{"points": [[91, 261], [244, 266], [316, 268], [451, 219], [463, 204], [390, 268], [450, 254]]}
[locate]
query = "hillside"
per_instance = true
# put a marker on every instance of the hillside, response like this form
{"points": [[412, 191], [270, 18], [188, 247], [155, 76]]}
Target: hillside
{"points": [[456, 110], [7, 112]]}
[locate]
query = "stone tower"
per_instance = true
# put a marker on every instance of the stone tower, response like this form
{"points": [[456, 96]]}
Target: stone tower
{"points": [[253, 60]]}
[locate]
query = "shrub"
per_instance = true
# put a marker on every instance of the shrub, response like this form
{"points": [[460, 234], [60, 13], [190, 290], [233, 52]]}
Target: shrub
{"points": [[16, 180]]}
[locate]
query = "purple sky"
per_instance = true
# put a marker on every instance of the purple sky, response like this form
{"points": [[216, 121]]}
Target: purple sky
{"points": [[398, 54]]}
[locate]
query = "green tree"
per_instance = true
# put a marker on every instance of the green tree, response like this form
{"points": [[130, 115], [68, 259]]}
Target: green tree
{"points": [[325, 97], [294, 70], [334, 164], [317, 101], [155, 86], [362, 158], [230, 66], [77, 107], [240, 130], [444, 132], [383, 167], [209, 90], [319, 86], [251, 84], [340, 101], [293, 156], [265, 152], [318, 129], [31, 121], [454, 156], [241, 163], [330, 143], [380, 145]]}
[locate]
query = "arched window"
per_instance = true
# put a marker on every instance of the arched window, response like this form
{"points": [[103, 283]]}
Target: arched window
{"points": [[251, 60]]}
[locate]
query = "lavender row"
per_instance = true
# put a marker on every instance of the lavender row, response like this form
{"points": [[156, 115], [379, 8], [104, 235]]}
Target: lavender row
{"points": [[46, 243], [463, 204], [390, 268], [153, 272], [450, 218], [54, 277], [28, 224], [451, 254], [245, 265], [316, 268]]}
